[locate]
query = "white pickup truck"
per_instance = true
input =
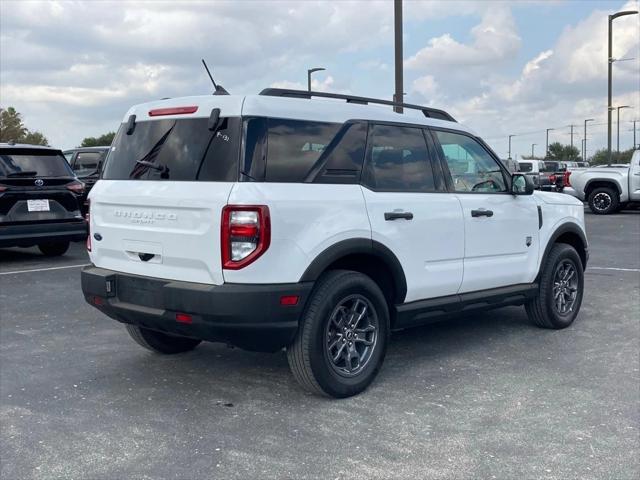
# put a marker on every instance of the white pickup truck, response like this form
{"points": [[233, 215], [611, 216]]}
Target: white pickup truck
{"points": [[607, 189]]}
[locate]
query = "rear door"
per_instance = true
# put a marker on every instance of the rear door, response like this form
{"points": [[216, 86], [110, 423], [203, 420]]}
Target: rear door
{"points": [[410, 211], [157, 209], [501, 230], [634, 177], [36, 186]]}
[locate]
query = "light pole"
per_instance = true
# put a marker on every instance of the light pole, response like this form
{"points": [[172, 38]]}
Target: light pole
{"points": [[634, 134], [572, 135], [533, 146], [610, 61], [547, 151], [618, 125], [510, 136], [397, 22], [309, 72], [584, 149]]}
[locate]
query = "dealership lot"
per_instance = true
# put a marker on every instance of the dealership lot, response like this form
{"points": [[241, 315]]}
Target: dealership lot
{"points": [[485, 396]]}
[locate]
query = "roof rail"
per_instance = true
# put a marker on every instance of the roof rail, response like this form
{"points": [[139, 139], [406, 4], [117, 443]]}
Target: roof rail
{"points": [[285, 92]]}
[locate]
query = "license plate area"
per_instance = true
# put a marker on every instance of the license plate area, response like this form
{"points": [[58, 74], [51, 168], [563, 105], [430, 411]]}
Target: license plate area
{"points": [[140, 291], [38, 205]]}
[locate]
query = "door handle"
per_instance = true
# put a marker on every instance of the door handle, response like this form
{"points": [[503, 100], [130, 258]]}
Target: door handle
{"points": [[482, 213], [396, 215]]}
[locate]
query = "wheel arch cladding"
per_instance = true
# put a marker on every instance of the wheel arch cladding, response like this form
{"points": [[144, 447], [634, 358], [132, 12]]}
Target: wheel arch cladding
{"points": [[602, 182], [571, 234], [365, 256]]}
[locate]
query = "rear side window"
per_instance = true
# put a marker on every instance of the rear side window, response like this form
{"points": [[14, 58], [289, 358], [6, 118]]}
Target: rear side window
{"points": [[398, 160], [525, 167], [294, 147], [33, 163], [179, 150]]}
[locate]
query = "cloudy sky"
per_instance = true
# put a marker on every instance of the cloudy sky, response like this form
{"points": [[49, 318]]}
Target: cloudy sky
{"points": [[74, 68]]}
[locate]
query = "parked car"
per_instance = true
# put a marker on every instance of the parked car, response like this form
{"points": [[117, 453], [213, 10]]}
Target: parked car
{"points": [[551, 175], [283, 220], [607, 189], [86, 162], [531, 168], [39, 199]]}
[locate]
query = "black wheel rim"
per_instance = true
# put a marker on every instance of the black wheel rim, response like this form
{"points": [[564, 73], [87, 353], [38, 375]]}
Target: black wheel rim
{"points": [[602, 201], [565, 287], [351, 335]]}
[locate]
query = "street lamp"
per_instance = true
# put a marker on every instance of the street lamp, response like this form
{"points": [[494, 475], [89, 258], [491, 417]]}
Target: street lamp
{"points": [[547, 151], [510, 136], [584, 148], [533, 146], [309, 72], [610, 61], [618, 125]]}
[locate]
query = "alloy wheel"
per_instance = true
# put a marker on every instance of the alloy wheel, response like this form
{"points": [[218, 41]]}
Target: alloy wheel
{"points": [[565, 287]]}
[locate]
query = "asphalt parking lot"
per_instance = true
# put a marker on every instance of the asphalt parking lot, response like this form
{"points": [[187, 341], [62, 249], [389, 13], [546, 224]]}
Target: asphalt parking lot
{"points": [[485, 396]]}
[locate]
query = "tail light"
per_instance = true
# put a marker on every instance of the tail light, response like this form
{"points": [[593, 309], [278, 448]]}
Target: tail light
{"points": [[552, 178], [76, 187], [88, 218], [245, 234], [2, 189], [567, 182]]}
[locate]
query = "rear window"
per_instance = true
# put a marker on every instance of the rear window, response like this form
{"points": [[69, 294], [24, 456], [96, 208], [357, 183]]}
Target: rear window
{"points": [[33, 163], [525, 167], [87, 162], [550, 167], [179, 150]]}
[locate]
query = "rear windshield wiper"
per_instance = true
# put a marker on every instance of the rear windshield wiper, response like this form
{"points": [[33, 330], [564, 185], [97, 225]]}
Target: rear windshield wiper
{"points": [[160, 167], [26, 173]]}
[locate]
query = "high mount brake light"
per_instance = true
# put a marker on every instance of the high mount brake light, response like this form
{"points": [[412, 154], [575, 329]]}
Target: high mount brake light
{"points": [[245, 234], [156, 112]]}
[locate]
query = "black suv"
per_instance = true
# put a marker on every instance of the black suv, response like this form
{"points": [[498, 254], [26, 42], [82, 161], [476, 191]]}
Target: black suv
{"points": [[39, 199], [86, 162]]}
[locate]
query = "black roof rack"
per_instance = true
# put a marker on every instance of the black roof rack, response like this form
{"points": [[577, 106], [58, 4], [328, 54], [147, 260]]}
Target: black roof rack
{"points": [[427, 111]]}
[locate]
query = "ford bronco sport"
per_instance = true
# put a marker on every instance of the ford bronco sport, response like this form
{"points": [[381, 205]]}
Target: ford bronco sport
{"points": [[318, 223]]}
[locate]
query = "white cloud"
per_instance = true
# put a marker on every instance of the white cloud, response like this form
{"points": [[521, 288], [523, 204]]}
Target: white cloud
{"points": [[494, 39]]}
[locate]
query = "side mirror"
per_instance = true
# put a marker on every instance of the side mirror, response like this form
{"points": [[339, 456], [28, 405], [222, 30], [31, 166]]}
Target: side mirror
{"points": [[521, 184]]}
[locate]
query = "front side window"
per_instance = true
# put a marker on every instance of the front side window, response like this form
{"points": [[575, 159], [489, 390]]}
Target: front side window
{"points": [[398, 160], [472, 168]]}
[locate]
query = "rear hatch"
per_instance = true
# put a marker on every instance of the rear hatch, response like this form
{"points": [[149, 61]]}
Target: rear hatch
{"points": [[37, 186], [156, 211]]}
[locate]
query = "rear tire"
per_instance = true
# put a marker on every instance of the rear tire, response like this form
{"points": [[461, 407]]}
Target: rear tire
{"points": [[161, 342], [54, 249], [343, 335], [603, 200], [560, 289]]}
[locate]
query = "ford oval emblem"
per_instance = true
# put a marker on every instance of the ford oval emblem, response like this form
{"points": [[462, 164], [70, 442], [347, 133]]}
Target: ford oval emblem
{"points": [[39, 182]]}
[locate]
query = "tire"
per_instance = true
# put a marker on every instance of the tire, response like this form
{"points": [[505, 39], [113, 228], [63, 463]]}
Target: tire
{"points": [[603, 200], [161, 342], [544, 310], [319, 337], [54, 249]]}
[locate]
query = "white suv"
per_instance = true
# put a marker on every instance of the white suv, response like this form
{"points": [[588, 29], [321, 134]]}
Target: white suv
{"points": [[318, 223]]}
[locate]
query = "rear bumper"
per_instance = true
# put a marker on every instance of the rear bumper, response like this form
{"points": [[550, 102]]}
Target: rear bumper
{"points": [[37, 233], [249, 316]]}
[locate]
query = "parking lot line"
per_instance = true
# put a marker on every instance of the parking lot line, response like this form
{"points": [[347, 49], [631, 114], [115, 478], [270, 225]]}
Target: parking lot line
{"points": [[615, 268], [43, 269]]}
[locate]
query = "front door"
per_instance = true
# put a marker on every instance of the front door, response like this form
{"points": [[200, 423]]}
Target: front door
{"points": [[501, 230], [411, 213]]}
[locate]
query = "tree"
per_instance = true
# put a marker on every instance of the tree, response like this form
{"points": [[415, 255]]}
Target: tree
{"points": [[565, 153], [102, 140], [12, 129], [601, 157]]}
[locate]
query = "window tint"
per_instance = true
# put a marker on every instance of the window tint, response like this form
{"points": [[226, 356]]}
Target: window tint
{"points": [[472, 168], [29, 163], [68, 156], [525, 167], [87, 163], [294, 147], [398, 160], [183, 149]]}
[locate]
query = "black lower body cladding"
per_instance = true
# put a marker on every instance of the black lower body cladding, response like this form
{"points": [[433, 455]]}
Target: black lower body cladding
{"points": [[249, 316]]}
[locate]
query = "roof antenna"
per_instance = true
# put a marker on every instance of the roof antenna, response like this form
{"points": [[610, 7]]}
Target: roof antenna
{"points": [[219, 89]]}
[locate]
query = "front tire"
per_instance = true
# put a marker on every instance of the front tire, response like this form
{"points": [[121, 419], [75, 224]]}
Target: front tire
{"points": [[603, 201], [343, 335], [560, 289], [54, 249], [159, 342]]}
